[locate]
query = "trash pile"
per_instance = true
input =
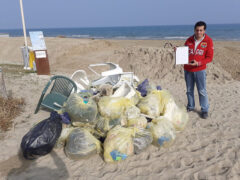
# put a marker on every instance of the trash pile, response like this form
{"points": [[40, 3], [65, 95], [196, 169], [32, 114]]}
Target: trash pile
{"points": [[116, 121]]}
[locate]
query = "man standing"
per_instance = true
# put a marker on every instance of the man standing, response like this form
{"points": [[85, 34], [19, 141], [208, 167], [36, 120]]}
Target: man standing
{"points": [[200, 53]]}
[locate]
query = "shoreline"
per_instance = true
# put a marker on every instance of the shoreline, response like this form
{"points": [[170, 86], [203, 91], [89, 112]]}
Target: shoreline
{"points": [[130, 39]]}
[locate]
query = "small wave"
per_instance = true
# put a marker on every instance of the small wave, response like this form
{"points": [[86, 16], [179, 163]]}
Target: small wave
{"points": [[120, 37], [131, 37], [80, 36], [143, 37], [98, 37], [175, 37]]}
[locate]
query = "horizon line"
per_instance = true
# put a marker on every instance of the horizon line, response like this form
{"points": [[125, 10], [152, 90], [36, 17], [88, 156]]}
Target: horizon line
{"points": [[117, 26]]}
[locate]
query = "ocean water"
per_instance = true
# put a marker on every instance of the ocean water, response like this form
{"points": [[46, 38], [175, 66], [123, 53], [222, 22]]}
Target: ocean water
{"points": [[216, 31]]}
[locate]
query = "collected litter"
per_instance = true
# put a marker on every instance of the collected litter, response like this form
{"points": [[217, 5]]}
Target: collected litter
{"points": [[81, 143], [113, 107], [119, 144], [163, 132], [41, 139], [114, 115], [142, 139], [81, 109]]}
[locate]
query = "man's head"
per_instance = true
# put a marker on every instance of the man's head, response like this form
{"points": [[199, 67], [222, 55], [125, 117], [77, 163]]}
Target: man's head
{"points": [[199, 29]]}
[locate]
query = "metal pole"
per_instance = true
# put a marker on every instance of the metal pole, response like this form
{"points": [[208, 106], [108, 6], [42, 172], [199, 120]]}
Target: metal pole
{"points": [[23, 23]]}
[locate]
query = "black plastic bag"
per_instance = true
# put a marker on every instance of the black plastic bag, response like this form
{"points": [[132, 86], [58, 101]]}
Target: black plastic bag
{"points": [[142, 88], [41, 139]]}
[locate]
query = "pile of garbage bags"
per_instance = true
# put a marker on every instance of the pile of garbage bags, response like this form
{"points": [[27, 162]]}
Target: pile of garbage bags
{"points": [[117, 124]]}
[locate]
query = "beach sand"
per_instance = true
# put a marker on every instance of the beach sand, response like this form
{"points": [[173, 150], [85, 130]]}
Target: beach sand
{"points": [[206, 149]]}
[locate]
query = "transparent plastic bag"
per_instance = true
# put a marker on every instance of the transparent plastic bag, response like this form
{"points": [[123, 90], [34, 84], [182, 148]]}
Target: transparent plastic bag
{"points": [[134, 117], [153, 104], [132, 112], [119, 144], [105, 124], [81, 110], [61, 142], [127, 91], [81, 143], [163, 132], [142, 139], [113, 107], [178, 116], [139, 122]]}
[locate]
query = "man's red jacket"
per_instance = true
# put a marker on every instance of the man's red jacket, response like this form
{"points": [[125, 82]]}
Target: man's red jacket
{"points": [[203, 53]]}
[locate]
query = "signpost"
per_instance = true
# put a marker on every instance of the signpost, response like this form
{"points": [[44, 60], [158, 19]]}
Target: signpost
{"points": [[40, 52]]}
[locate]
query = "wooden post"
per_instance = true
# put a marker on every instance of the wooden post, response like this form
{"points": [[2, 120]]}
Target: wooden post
{"points": [[3, 92]]}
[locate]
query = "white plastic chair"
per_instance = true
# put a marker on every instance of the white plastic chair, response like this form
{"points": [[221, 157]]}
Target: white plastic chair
{"points": [[81, 80], [114, 76]]}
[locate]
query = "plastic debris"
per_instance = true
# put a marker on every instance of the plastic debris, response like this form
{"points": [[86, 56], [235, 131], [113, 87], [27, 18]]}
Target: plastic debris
{"points": [[113, 107], [61, 142], [119, 144], [81, 108], [142, 88], [127, 91], [178, 116], [81, 143], [41, 139], [163, 132], [142, 139]]}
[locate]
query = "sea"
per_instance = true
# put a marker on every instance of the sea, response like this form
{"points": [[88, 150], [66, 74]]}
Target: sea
{"points": [[229, 32]]}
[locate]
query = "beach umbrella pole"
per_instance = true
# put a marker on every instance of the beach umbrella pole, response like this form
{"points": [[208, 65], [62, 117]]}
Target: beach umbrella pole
{"points": [[23, 23], [24, 49]]}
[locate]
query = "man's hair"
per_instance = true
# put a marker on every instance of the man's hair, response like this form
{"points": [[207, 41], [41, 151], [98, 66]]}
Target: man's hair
{"points": [[200, 23]]}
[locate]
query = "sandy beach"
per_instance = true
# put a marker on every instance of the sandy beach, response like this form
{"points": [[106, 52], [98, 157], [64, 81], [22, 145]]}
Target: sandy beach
{"points": [[206, 149]]}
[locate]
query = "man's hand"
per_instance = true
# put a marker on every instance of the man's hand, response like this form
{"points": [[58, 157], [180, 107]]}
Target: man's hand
{"points": [[193, 63], [175, 48]]}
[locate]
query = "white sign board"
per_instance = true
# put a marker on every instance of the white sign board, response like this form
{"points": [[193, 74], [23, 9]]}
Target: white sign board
{"points": [[37, 40], [182, 55], [40, 54]]}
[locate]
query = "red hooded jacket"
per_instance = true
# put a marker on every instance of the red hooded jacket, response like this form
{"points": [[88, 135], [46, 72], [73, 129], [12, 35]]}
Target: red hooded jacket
{"points": [[203, 53]]}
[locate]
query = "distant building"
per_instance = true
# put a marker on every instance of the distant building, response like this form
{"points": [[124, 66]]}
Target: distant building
{"points": [[4, 35]]}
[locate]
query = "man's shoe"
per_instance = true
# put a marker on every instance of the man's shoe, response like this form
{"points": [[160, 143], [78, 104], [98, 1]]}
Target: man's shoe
{"points": [[204, 115], [189, 110]]}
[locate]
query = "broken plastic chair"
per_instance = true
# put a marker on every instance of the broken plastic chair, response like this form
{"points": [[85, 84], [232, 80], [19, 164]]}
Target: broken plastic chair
{"points": [[59, 93], [81, 80], [114, 76], [125, 90], [113, 69]]}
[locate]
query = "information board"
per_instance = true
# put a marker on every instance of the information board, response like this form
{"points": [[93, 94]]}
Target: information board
{"points": [[37, 40]]}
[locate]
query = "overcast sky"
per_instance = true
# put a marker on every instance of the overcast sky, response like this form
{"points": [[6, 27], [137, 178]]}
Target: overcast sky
{"points": [[104, 13]]}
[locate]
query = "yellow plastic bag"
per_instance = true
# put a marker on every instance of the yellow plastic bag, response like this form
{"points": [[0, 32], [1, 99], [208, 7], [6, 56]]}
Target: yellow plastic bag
{"points": [[119, 144], [153, 103], [63, 137], [132, 112], [113, 107], [81, 143], [178, 116], [105, 124], [81, 111], [163, 132], [134, 118], [139, 122]]}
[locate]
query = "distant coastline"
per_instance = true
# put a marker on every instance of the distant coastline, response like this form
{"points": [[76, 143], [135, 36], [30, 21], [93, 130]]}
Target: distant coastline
{"points": [[4, 35]]}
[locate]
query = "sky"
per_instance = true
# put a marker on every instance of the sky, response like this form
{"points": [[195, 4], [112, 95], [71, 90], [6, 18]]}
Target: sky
{"points": [[109, 13]]}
